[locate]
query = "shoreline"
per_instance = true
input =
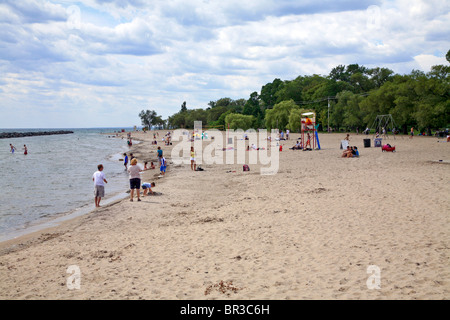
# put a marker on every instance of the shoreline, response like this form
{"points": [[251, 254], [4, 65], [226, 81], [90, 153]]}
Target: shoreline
{"points": [[54, 221], [30, 235], [308, 232]]}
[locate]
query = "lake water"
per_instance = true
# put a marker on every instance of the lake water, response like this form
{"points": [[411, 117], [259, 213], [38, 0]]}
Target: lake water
{"points": [[54, 180]]}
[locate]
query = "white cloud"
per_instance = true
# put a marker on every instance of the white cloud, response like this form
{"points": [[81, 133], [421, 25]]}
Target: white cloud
{"points": [[109, 59], [426, 61]]}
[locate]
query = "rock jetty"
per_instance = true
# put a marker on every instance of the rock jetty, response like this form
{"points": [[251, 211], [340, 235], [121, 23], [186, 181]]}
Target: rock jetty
{"points": [[7, 135]]}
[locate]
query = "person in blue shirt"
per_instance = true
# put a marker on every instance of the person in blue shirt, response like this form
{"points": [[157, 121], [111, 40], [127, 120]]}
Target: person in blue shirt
{"points": [[160, 154], [125, 161], [148, 187]]}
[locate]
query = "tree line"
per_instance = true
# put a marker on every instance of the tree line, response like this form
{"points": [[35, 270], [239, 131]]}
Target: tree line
{"points": [[349, 97]]}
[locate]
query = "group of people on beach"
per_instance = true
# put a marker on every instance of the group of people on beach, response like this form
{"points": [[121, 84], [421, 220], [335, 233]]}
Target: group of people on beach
{"points": [[134, 171], [283, 136], [350, 152], [135, 182], [13, 149], [299, 144]]}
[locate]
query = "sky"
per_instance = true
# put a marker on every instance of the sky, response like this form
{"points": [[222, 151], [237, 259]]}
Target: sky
{"points": [[98, 63]]}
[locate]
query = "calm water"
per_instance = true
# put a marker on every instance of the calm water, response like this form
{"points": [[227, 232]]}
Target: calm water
{"points": [[55, 177]]}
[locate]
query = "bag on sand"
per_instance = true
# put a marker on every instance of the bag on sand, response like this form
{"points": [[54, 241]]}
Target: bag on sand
{"points": [[246, 168]]}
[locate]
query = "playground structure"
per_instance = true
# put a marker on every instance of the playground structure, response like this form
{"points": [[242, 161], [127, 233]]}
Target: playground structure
{"points": [[309, 129], [384, 122]]}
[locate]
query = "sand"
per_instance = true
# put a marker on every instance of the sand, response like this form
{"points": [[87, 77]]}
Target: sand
{"points": [[311, 231]]}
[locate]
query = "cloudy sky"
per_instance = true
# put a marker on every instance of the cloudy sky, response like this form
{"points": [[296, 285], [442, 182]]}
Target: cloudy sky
{"points": [[98, 63]]}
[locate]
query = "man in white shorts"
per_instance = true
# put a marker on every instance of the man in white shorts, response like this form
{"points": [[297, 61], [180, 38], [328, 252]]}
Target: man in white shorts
{"points": [[99, 184]]}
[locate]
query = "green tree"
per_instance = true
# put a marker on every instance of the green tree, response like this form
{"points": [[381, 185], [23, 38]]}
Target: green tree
{"points": [[432, 104], [196, 115], [268, 92], [352, 117], [290, 90], [221, 120], [148, 118], [278, 117], [239, 121], [339, 74], [183, 107], [379, 76], [177, 120], [295, 120], [213, 114]]}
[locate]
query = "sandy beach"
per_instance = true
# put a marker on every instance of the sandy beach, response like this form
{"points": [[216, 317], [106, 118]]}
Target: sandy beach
{"points": [[310, 231]]}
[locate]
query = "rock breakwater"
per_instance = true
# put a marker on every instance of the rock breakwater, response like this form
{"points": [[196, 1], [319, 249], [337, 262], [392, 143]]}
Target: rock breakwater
{"points": [[7, 135]]}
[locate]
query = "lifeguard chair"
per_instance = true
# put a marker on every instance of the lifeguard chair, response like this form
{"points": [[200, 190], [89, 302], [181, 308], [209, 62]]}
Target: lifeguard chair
{"points": [[309, 130]]}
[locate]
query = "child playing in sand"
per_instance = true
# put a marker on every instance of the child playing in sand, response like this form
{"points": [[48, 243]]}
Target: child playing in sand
{"points": [[152, 166], [148, 188]]}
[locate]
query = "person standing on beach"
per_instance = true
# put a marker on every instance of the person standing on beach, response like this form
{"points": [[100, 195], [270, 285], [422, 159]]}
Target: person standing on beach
{"points": [[25, 149], [308, 141], [99, 184], [193, 165], [125, 161], [135, 179], [12, 148], [160, 154], [412, 133], [162, 169]]}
